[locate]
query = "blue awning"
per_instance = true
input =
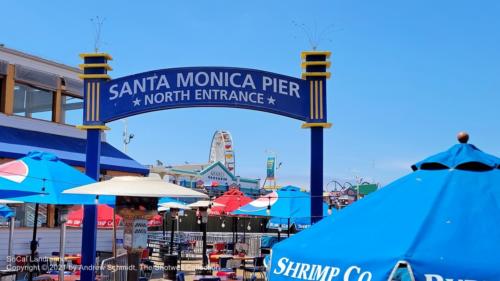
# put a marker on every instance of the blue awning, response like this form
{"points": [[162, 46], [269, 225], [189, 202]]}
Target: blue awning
{"points": [[16, 143]]}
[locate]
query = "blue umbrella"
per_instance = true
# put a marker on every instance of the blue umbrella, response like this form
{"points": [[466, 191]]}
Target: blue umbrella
{"points": [[11, 174], [441, 222], [46, 173], [41, 172], [286, 206], [164, 200], [6, 212]]}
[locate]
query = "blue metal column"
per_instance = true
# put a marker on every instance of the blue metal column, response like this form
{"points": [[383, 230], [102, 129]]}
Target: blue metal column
{"points": [[315, 64], [316, 180], [95, 69], [89, 231]]}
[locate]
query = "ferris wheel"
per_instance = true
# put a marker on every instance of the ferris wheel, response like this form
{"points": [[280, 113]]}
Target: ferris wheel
{"points": [[222, 150]]}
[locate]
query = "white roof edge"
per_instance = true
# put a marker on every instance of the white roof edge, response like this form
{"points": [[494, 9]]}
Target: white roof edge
{"points": [[39, 59]]}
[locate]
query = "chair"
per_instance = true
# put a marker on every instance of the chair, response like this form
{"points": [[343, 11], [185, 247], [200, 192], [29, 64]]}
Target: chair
{"points": [[180, 276], [147, 268], [220, 247], [227, 268], [190, 250], [257, 267], [241, 248], [234, 264], [229, 247], [209, 278]]}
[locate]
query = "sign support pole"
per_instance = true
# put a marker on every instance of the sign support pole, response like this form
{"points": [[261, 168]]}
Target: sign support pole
{"points": [[315, 64], [95, 69]]}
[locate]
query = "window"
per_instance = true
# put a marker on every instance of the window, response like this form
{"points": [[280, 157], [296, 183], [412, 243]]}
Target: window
{"points": [[32, 102], [72, 110]]}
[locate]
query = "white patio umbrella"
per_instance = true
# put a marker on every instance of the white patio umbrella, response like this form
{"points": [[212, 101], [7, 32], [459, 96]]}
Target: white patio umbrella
{"points": [[204, 204], [172, 205], [138, 187]]}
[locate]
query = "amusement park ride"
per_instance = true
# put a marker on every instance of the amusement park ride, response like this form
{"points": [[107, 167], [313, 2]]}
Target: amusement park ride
{"points": [[221, 150]]}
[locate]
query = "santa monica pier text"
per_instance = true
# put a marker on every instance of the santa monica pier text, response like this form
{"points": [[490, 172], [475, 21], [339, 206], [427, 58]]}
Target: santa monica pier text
{"points": [[203, 85]]}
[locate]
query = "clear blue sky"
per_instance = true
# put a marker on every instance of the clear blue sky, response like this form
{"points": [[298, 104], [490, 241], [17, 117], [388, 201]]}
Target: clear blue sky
{"points": [[406, 75]]}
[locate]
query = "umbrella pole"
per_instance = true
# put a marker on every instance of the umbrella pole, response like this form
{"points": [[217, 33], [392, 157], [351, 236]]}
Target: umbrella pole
{"points": [[114, 234], [204, 230], [244, 232], [172, 235], [178, 248], [11, 236], [62, 244], [288, 232], [236, 221], [279, 235], [114, 243], [233, 230], [33, 244], [164, 225]]}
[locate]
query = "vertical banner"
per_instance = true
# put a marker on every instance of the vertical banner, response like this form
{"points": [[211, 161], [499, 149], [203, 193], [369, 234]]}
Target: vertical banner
{"points": [[271, 167]]}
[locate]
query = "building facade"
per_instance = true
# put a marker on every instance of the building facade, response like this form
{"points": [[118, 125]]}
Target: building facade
{"points": [[212, 178], [41, 102]]}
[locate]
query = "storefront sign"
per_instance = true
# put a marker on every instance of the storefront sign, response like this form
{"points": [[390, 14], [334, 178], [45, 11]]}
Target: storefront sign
{"points": [[204, 87]]}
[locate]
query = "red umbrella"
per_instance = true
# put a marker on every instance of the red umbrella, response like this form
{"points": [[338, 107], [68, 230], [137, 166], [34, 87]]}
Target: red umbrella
{"points": [[155, 221], [104, 217], [231, 200]]}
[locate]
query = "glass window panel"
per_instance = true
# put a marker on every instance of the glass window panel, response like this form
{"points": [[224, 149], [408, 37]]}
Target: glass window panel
{"points": [[32, 102], [72, 110]]}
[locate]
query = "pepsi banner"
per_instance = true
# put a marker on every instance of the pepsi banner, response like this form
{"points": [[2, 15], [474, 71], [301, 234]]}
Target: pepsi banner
{"points": [[204, 87]]}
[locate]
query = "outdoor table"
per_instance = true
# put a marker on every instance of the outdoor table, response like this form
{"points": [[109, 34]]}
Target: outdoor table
{"points": [[236, 257], [66, 258], [55, 277], [206, 278]]}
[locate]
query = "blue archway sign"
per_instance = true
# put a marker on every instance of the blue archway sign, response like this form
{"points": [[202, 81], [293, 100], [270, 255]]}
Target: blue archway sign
{"points": [[202, 87], [107, 99]]}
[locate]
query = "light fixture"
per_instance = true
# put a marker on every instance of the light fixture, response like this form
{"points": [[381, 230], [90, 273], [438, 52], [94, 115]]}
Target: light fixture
{"points": [[330, 209], [268, 210], [249, 227], [223, 225], [199, 221]]}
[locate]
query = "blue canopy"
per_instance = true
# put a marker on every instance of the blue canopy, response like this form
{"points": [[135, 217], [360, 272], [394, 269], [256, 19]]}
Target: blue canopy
{"points": [[442, 220], [164, 200], [44, 173], [6, 212], [286, 203]]}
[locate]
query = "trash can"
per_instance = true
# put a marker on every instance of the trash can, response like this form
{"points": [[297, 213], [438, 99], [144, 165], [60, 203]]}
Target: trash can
{"points": [[8, 275], [170, 266]]}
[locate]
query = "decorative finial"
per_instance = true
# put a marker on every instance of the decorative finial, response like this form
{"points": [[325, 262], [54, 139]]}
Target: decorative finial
{"points": [[463, 137]]}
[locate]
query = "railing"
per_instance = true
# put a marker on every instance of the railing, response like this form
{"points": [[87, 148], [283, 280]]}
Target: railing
{"points": [[114, 270], [30, 214], [195, 248]]}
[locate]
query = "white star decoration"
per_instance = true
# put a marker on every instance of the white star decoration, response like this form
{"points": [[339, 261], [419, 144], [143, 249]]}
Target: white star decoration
{"points": [[271, 100], [137, 102]]}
